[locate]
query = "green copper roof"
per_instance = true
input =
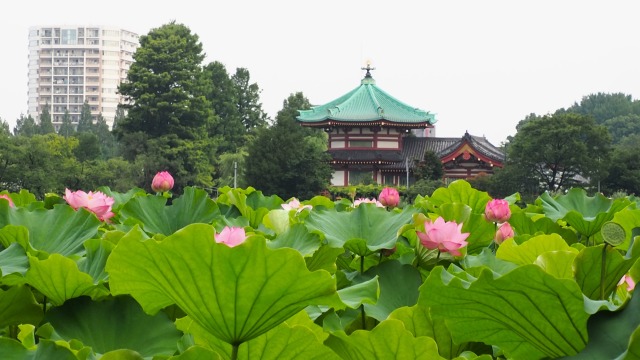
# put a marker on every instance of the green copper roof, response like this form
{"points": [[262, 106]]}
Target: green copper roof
{"points": [[366, 103]]}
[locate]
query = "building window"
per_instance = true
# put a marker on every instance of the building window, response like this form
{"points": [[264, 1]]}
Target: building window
{"points": [[360, 143], [389, 179], [360, 177]]}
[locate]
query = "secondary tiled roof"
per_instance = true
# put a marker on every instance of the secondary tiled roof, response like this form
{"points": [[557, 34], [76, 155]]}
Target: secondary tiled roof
{"points": [[415, 147], [366, 103]]}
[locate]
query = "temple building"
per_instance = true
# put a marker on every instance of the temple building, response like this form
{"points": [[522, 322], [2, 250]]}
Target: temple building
{"points": [[374, 137]]}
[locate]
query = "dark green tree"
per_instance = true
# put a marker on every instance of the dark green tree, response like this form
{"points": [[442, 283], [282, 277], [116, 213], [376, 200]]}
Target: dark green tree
{"points": [[248, 100], [623, 126], [66, 128], [26, 126], [429, 168], [108, 145], [603, 106], [46, 126], [285, 159], [88, 147], [120, 115], [85, 124], [624, 168], [557, 150], [4, 128], [223, 96], [165, 87]]}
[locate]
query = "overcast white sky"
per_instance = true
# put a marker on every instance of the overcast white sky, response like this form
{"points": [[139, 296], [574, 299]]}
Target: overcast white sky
{"points": [[480, 66]]}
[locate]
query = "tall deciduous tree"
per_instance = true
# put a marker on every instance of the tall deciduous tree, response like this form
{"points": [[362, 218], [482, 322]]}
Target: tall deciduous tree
{"points": [[165, 87], [46, 126], [603, 106], [556, 149], [624, 168], [285, 159]]}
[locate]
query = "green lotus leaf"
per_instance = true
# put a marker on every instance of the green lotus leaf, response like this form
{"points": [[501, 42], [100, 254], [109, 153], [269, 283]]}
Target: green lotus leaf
{"points": [[197, 353], [584, 213], [588, 270], [97, 253], [299, 238], [251, 203], [418, 321], [557, 263], [122, 325], [460, 191], [375, 225], [398, 287], [277, 220], [487, 259], [365, 292], [528, 313], [59, 279], [629, 219], [122, 198], [324, 258], [285, 341], [523, 224], [46, 350], [388, 340], [194, 206], [18, 306], [614, 334], [528, 252], [122, 354], [61, 230], [18, 234], [236, 293], [13, 260], [320, 201]]}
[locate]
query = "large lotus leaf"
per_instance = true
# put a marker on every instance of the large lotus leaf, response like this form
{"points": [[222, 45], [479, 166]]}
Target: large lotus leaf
{"points": [[97, 253], [61, 230], [251, 203], [122, 325], [584, 213], [398, 287], [524, 224], [388, 340], [324, 258], [611, 333], [527, 312], [197, 353], [487, 259], [11, 234], [122, 198], [46, 350], [377, 226], [277, 220], [59, 279], [557, 263], [235, 293], [18, 306], [194, 206], [285, 341], [588, 270], [13, 260], [297, 237], [357, 294], [629, 219], [418, 321], [528, 252], [122, 354], [460, 191]]}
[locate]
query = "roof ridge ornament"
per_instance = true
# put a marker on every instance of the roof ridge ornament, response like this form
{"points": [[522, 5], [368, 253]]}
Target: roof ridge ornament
{"points": [[368, 68]]}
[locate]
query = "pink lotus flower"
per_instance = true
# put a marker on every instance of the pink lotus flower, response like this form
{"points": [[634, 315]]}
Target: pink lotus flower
{"points": [[96, 202], [295, 204], [8, 198], [505, 231], [444, 236], [367, 201], [497, 210], [163, 181], [389, 197], [231, 236], [628, 281]]}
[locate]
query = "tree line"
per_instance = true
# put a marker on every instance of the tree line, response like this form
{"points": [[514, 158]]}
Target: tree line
{"points": [[206, 126]]}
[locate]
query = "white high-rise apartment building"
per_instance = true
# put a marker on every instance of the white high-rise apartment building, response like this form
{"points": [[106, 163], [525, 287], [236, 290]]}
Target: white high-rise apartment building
{"points": [[71, 64]]}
